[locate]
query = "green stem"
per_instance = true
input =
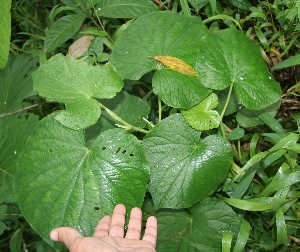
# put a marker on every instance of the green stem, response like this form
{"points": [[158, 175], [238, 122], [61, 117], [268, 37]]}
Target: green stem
{"points": [[225, 107], [125, 125], [159, 110]]}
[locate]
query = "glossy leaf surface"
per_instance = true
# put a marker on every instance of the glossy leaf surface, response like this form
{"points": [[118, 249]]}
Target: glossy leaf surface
{"points": [[74, 184], [200, 229], [76, 84], [229, 58], [184, 168], [203, 116]]}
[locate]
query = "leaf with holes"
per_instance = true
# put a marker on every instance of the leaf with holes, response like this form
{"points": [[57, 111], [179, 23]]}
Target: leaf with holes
{"points": [[168, 34], [228, 58], [76, 84], [202, 116], [74, 183], [184, 168]]}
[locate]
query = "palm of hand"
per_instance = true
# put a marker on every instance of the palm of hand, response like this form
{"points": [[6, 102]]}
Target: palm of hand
{"points": [[109, 234]]}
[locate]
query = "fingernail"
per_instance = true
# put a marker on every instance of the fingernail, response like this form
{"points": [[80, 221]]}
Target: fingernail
{"points": [[54, 235]]}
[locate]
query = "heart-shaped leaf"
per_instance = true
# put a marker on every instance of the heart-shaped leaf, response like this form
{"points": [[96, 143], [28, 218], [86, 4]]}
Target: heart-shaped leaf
{"points": [[76, 84], [200, 229], [62, 181], [175, 35], [202, 116], [184, 168], [230, 58]]}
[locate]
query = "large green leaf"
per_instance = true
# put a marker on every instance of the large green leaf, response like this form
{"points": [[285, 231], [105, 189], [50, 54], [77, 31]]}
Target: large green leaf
{"points": [[200, 229], [202, 116], [5, 31], [125, 8], [230, 58], [184, 168], [16, 82], [130, 108], [76, 84], [62, 30], [62, 181], [162, 34], [14, 132]]}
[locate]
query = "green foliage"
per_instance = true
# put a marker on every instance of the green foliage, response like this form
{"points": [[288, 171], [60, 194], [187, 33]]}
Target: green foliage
{"points": [[213, 156], [4, 31]]}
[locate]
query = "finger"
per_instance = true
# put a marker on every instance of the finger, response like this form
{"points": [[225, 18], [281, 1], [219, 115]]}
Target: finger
{"points": [[102, 227], [69, 236], [151, 230], [135, 224], [117, 221]]}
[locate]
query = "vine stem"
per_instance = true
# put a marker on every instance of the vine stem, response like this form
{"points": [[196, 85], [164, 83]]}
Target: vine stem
{"points": [[225, 107], [159, 110], [125, 125], [19, 110]]}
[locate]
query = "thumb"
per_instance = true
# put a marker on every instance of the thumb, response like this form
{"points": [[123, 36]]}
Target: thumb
{"points": [[66, 235]]}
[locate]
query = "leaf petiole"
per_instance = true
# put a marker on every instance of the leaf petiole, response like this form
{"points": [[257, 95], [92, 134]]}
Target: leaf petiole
{"points": [[125, 125]]}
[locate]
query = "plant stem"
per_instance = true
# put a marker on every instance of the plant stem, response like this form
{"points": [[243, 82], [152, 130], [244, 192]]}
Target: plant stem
{"points": [[159, 110], [225, 107], [125, 125], [19, 110]]}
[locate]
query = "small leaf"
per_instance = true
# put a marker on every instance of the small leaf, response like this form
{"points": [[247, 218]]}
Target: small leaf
{"points": [[74, 183], [62, 30], [80, 46], [184, 168], [236, 134], [76, 84], [202, 116], [5, 31], [176, 65], [125, 8], [201, 228]]}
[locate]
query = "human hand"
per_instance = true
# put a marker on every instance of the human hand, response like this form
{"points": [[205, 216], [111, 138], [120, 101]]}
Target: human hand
{"points": [[109, 234]]}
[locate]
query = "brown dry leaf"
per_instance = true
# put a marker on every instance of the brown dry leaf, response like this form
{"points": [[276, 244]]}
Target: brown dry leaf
{"points": [[176, 65], [80, 46]]}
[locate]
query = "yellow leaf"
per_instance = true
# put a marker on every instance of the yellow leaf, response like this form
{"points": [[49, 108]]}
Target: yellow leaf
{"points": [[176, 65]]}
